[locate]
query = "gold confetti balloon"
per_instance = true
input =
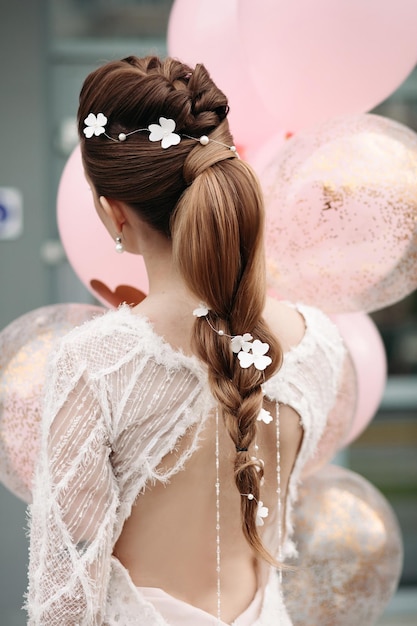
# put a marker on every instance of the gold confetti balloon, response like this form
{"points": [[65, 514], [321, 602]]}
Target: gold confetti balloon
{"points": [[341, 206], [25, 346], [350, 551]]}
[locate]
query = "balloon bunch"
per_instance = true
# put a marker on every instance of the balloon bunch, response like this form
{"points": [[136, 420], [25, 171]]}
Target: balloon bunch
{"points": [[340, 190]]}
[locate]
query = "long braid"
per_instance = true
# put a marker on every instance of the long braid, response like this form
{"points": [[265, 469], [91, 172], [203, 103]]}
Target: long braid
{"points": [[217, 242]]}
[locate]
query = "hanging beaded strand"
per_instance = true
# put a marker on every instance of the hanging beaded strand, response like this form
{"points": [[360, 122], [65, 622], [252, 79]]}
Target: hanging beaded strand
{"points": [[217, 484], [279, 494]]}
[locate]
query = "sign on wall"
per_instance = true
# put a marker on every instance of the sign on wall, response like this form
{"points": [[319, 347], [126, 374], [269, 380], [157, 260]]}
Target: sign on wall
{"points": [[11, 213]]}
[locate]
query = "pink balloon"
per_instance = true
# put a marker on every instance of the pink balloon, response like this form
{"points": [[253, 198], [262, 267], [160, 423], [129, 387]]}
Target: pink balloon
{"points": [[341, 212], [207, 32], [111, 277], [367, 351], [315, 60], [25, 346], [260, 157]]}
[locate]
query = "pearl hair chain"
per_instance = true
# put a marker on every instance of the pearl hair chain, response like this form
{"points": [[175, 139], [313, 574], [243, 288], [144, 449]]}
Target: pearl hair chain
{"points": [[248, 351], [95, 125]]}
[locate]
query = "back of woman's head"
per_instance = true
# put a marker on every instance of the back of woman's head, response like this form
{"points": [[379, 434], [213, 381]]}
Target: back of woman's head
{"points": [[209, 202], [132, 94]]}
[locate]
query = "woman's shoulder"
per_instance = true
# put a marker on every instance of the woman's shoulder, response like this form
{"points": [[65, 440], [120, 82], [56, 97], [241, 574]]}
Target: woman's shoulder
{"points": [[314, 353], [105, 327], [285, 321], [298, 326], [117, 336], [314, 350]]}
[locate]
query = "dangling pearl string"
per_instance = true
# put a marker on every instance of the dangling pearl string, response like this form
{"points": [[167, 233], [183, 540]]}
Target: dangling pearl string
{"points": [[217, 453], [278, 435]]}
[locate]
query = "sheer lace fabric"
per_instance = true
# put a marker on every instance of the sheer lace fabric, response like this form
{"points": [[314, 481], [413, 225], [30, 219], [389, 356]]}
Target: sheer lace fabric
{"points": [[119, 400]]}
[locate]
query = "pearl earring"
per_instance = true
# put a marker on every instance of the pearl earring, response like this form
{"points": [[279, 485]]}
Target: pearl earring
{"points": [[119, 245]]}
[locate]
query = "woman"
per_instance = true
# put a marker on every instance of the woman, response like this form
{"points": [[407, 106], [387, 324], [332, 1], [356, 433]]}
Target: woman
{"points": [[173, 442]]}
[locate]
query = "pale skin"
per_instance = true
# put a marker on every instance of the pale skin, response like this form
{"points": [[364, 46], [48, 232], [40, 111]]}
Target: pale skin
{"points": [[169, 539]]}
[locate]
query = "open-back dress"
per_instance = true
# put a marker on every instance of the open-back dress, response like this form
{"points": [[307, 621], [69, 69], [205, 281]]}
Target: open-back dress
{"points": [[118, 400]]}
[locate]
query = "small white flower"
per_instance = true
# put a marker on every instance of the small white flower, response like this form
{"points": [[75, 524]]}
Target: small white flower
{"points": [[246, 359], [95, 125], [164, 132], [265, 417], [261, 513], [201, 311], [241, 342], [259, 463], [257, 358]]}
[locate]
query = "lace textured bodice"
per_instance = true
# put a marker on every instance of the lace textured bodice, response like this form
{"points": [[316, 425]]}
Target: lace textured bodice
{"points": [[118, 400]]}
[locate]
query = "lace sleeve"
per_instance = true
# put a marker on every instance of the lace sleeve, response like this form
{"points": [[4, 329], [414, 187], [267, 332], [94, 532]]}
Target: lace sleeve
{"points": [[75, 499]]}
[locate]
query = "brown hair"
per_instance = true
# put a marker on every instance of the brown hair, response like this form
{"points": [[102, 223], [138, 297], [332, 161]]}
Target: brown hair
{"points": [[209, 202]]}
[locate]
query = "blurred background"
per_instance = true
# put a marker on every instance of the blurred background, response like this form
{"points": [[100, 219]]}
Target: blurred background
{"points": [[46, 50]]}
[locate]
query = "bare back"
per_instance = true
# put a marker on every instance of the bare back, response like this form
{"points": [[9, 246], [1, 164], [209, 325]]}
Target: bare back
{"points": [[169, 541]]}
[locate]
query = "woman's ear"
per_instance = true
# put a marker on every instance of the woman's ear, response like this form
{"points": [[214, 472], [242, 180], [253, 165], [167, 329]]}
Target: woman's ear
{"points": [[114, 211]]}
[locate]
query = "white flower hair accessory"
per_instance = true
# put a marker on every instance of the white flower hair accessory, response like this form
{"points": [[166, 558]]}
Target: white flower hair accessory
{"points": [[164, 132], [262, 511], [257, 357], [201, 311], [95, 125], [248, 352], [265, 416], [241, 342]]}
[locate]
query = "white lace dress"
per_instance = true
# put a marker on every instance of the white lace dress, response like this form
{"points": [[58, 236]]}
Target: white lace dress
{"points": [[118, 401]]}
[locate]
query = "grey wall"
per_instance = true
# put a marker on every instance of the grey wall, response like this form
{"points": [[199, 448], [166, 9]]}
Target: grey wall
{"points": [[24, 283], [39, 84], [24, 280], [13, 559]]}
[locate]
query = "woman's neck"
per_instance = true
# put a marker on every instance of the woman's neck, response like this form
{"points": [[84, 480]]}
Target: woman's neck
{"points": [[168, 297]]}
